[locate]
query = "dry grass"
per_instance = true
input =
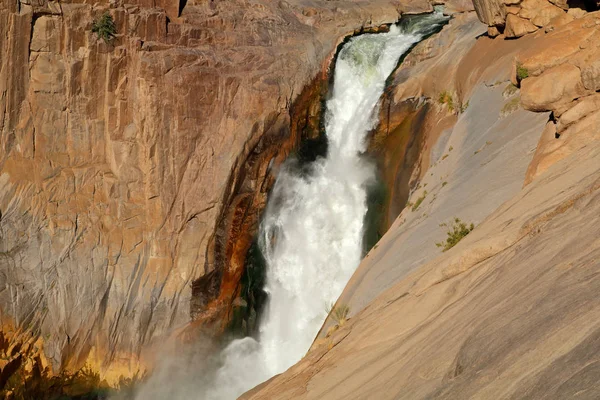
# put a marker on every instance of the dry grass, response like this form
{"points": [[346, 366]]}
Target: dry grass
{"points": [[510, 106], [338, 313]]}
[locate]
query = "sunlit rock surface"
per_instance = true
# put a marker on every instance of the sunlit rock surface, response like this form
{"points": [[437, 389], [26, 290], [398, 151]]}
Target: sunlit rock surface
{"points": [[511, 311]]}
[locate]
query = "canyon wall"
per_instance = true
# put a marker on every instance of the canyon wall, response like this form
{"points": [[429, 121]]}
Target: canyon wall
{"points": [[511, 311], [132, 172]]}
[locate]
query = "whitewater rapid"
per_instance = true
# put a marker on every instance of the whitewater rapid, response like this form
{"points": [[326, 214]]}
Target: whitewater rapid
{"points": [[312, 230]]}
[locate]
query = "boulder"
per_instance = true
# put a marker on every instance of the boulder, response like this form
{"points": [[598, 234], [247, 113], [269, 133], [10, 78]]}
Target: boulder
{"points": [[490, 12], [580, 110], [588, 61], [552, 90], [577, 12], [513, 10], [559, 21], [539, 12], [493, 31], [517, 26], [552, 148]]}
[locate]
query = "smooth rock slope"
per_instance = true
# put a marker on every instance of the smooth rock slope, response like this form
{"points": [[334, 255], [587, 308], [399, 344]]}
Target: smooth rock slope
{"points": [[510, 312]]}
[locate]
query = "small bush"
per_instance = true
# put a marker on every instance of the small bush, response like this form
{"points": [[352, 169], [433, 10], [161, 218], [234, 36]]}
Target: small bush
{"points": [[456, 232], [105, 27], [522, 72], [419, 201], [446, 98]]}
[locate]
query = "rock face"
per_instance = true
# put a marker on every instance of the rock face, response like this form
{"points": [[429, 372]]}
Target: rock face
{"points": [[511, 311], [491, 12], [562, 79], [517, 18], [130, 170]]}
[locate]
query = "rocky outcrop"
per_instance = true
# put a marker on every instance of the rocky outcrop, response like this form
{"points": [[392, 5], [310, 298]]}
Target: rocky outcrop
{"points": [[561, 69], [516, 18], [491, 12], [511, 310], [130, 170]]}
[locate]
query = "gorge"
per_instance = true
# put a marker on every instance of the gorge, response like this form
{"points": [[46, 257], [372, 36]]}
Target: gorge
{"points": [[312, 230], [134, 172]]}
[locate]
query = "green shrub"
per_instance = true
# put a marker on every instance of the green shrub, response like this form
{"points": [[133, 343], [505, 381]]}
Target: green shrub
{"points": [[446, 98], [456, 232], [522, 72], [419, 201], [105, 27]]}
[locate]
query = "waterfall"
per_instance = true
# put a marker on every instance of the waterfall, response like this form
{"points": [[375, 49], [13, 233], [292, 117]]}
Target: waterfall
{"points": [[311, 232]]}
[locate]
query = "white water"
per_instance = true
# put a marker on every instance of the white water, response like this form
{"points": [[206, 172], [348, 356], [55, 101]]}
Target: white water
{"points": [[311, 234]]}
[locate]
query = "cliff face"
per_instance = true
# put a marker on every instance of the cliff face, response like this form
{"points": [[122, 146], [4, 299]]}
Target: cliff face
{"points": [[130, 170], [511, 311], [132, 174]]}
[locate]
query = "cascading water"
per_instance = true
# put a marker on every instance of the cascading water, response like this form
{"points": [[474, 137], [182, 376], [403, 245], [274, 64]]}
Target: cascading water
{"points": [[312, 230]]}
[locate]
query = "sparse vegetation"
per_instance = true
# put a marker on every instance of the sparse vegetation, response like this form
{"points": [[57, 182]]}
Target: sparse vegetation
{"points": [[464, 107], [40, 384], [24, 376], [510, 106], [509, 91], [339, 314], [456, 232], [487, 143], [522, 72], [444, 183], [446, 98], [451, 148], [415, 206], [445, 156], [105, 27]]}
